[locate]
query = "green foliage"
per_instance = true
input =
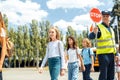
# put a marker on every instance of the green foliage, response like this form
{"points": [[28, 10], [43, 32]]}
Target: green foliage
{"points": [[5, 20]]}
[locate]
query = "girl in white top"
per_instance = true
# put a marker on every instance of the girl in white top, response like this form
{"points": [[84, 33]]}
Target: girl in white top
{"points": [[2, 44], [54, 55], [73, 59]]}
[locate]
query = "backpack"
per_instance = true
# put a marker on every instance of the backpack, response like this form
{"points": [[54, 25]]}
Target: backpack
{"points": [[10, 48], [94, 55]]}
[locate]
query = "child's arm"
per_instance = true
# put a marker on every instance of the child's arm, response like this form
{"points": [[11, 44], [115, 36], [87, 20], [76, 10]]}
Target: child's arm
{"points": [[44, 61], [62, 54], [66, 57], [92, 65], [92, 59], [82, 63], [81, 60]]}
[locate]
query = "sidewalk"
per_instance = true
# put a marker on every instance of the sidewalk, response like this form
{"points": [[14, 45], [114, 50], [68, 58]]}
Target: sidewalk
{"points": [[32, 74]]}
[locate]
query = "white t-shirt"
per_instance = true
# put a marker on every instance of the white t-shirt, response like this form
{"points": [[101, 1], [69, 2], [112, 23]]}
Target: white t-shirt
{"points": [[54, 49], [72, 55], [3, 34]]}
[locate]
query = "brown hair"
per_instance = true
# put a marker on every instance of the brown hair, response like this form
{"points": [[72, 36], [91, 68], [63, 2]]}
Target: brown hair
{"points": [[88, 42], [74, 42], [57, 33], [2, 24]]}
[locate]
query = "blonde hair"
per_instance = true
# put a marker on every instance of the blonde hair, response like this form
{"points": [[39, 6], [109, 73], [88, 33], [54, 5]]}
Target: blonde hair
{"points": [[2, 24], [88, 42], [57, 33]]}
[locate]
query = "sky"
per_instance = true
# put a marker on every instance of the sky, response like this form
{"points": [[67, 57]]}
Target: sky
{"points": [[61, 13]]}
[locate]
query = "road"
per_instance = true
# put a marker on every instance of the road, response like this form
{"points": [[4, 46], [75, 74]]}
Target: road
{"points": [[32, 74]]}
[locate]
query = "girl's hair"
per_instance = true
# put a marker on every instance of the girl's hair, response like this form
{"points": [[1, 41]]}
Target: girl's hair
{"points": [[57, 33], [74, 42], [88, 42], [2, 24]]}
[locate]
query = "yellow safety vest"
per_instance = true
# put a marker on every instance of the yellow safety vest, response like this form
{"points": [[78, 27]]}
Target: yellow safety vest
{"points": [[106, 42]]}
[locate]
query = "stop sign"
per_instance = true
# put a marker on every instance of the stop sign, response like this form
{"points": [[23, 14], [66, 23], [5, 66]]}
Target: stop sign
{"points": [[95, 15]]}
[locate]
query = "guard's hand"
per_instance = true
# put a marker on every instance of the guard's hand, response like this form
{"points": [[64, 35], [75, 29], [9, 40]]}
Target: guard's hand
{"points": [[95, 30]]}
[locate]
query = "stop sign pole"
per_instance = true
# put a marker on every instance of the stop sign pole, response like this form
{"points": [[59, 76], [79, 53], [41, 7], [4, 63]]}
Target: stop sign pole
{"points": [[96, 17]]}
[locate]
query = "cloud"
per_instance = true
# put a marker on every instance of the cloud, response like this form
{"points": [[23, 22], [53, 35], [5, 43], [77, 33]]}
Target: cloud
{"points": [[62, 24], [54, 4], [78, 23], [19, 12], [82, 19]]}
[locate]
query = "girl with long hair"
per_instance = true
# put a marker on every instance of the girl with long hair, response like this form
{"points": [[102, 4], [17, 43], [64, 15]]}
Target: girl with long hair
{"points": [[2, 44], [54, 55], [73, 53]]}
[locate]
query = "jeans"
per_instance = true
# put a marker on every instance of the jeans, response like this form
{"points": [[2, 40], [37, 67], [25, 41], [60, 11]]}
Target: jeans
{"points": [[1, 78], [54, 67], [106, 62], [73, 70], [86, 73]]}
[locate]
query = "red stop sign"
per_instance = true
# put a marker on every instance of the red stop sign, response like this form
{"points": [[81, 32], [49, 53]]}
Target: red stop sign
{"points": [[95, 15]]}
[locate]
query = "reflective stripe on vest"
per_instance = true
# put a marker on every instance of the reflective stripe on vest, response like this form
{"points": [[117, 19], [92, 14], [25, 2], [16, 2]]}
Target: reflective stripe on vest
{"points": [[106, 42], [106, 47]]}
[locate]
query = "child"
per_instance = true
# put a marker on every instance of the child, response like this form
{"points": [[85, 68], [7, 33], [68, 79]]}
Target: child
{"points": [[117, 64], [73, 59], [3, 49], [54, 55], [88, 58]]}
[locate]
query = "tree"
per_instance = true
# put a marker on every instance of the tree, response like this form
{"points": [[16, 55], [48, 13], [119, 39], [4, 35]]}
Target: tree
{"points": [[70, 31], [44, 26], [85, 35], [5, 18], [20, 44], [116, 14], [35, 39], [12, 35], [26, 44], [79, 40]]}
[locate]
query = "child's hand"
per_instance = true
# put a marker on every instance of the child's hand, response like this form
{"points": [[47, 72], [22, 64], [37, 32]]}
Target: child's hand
{"points": [[92, 69], [82, 68], [116, 58], [41, 70], [0, 67], [62, 72]]}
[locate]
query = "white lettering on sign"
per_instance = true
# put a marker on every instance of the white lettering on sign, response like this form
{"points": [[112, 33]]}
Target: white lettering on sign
{"points": [[95, 15]]}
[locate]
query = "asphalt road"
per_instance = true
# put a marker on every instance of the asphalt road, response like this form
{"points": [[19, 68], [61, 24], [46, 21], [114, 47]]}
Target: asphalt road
{"points": [[32, 74]]}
